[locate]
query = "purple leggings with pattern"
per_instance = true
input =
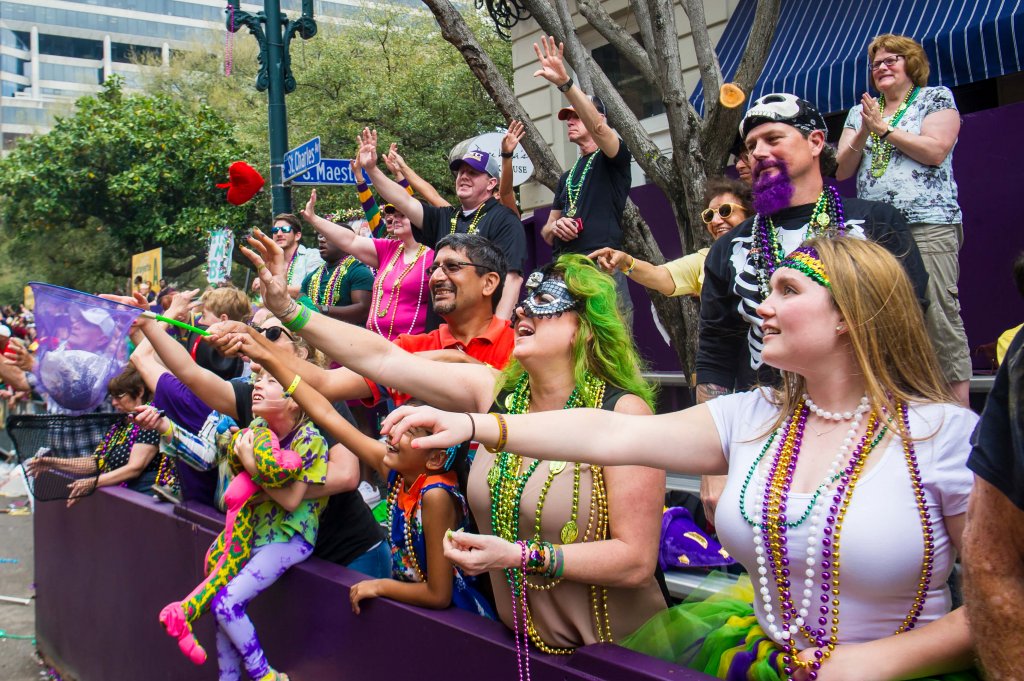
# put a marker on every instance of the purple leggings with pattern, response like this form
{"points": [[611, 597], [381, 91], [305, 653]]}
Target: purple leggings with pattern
{"points": [[237, 645]]}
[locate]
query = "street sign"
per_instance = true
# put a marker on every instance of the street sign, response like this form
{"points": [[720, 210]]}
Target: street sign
{"points": [[301, 158], [330, 171]]}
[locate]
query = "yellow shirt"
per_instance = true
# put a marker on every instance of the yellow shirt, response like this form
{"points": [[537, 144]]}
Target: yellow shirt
{"points": [[688, 273], [1003, 342]]}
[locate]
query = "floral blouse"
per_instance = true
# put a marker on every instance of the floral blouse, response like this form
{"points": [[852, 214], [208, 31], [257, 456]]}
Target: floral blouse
{"points": [[274, 524], [922, 193]]}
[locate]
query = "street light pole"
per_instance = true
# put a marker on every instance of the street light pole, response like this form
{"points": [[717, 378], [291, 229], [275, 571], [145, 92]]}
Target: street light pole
{"points": [[275, 76]]}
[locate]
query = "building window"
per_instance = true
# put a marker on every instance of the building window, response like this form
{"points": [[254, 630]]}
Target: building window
{"points": [[66, 46], [17, 39], [639, 96]]}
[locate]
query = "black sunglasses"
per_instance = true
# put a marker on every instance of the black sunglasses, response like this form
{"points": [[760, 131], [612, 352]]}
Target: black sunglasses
{"points": [[274, 332]]}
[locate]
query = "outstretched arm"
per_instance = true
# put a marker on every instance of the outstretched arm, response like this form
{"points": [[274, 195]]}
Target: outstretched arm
{"points": [[418, 184], [390, 191], [344, 238], [457, 386], [598, 437], [552, 69], [509, 142]]}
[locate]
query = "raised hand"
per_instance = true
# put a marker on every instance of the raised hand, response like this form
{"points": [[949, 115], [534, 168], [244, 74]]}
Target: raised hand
{"points": [[552, 64], [510, 141], [18, 355], [309, 212], [367, 148], [392, 160], [149, 417], [268, 258], [181, 304]]}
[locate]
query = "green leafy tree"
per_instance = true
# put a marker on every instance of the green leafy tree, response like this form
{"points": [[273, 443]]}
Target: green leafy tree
{"points": [[389, 72], [125, 173]]}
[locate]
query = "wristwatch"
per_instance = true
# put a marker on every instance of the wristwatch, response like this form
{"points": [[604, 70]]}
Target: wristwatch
{"points": [[888, 131], [566, 86]]}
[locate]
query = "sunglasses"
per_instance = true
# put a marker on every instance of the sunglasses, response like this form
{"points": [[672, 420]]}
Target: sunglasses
{"points": [[284, 229], [889, 62], [453, 267], [274, 332], [723, 211]]}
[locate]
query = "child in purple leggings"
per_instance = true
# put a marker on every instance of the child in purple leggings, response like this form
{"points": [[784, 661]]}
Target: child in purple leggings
{"points": [[285, 531]]}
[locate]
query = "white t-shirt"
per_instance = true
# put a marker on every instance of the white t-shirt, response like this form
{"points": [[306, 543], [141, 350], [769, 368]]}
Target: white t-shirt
{"points": [[882, 545]]}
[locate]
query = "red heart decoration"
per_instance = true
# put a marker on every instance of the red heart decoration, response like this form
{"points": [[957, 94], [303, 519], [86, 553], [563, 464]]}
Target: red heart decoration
{"points": [[244, 183]]}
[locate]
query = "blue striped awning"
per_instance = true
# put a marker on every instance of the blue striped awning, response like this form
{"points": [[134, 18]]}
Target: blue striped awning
{"points": [[819, 51]]}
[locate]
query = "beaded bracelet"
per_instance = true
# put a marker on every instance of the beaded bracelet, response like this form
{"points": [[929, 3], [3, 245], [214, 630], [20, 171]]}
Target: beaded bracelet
{"points": [[290, 390], [300, 320], [502, 432], [632, 265], [535, 558], [555, 564]]}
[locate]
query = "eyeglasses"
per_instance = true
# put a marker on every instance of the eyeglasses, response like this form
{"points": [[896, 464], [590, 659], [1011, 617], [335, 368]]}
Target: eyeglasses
{"points": [[283, 229], [723, 211], [889, 62], [274, 332], [454, 267], [118, 396]]}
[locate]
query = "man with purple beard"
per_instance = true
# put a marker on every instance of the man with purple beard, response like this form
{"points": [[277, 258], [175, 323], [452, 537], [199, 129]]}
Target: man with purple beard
{"points": [[785, 138]]}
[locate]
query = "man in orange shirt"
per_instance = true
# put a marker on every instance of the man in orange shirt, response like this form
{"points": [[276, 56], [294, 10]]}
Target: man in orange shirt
{"points": [[466, 283]]}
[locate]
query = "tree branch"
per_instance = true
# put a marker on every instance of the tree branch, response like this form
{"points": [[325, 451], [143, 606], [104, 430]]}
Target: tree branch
{"points": [[720, 123], [455, 31], [620, 38], [707, 60], [573, 46]]}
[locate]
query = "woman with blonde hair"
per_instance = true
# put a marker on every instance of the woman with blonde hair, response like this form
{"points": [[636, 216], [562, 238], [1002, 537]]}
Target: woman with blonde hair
{"points": [[900, 147], [861, 449]]}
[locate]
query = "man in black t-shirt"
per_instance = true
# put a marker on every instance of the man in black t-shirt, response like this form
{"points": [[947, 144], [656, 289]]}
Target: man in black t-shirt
{"points": [[586, 213], [993, 551], [476, 178]]}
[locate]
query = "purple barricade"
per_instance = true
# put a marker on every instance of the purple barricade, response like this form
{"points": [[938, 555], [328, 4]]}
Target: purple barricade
{"points": [[105, 567]]}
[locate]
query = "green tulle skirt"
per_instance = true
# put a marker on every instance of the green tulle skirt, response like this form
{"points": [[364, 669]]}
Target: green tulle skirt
{"points": [[716, 632]]}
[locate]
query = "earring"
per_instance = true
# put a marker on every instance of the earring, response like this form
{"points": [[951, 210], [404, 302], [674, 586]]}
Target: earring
{"points": [[840, 328]]}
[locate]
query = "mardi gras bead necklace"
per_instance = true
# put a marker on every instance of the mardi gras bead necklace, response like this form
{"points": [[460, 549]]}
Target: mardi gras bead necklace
{"points": [[393, 299], [773, 550], [122, 432], [827, 218], [291, 266], [409, 548], [477, 216], [881, 150], [507, 485], [328, 295], [574, 189]]}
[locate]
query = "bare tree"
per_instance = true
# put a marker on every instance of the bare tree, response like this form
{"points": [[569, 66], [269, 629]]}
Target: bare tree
{"points": [[700, 145]]}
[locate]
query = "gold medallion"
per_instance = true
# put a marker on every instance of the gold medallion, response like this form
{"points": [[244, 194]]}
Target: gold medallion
{"points": [[823, 220], [492, 475], [570, 212], [556, 467], [509, 402], [569, 532]]}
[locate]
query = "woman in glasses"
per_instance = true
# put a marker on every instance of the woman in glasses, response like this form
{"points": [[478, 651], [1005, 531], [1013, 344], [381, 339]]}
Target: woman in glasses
{"points": [[900, 147], [728, 204], [126, 456], [400, 296], [571, 350]]}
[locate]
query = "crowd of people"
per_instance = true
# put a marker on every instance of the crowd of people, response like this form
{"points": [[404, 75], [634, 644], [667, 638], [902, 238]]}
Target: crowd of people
{"points": [[521, 461]]}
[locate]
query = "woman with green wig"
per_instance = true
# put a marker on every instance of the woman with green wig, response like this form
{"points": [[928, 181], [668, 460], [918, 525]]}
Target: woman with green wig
{"points": [[571, 548]]}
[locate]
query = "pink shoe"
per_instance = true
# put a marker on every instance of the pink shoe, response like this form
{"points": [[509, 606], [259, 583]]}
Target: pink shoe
{"points": [[173, 619]]}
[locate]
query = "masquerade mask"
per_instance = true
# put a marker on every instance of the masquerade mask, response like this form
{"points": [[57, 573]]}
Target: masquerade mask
{"points": [[547, 297]]}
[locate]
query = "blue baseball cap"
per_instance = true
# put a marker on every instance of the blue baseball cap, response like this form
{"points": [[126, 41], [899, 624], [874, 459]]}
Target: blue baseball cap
{"points": [[479, 161]]}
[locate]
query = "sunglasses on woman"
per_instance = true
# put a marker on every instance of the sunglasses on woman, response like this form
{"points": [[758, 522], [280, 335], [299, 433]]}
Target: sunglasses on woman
{"points": [[283, 229], [723, 211], [274, 332]]}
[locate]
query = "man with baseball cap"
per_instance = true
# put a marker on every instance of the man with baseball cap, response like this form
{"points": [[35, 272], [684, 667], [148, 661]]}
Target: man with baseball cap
{"points": [[586, 213], [476, 178]]}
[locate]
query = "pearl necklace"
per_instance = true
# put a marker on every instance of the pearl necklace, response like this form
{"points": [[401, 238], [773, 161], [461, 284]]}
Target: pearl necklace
{"points": [[838, 416], [379, 289]]}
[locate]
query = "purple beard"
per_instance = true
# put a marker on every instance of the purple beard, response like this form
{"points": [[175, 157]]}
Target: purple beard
{"points": [[772, 193]]}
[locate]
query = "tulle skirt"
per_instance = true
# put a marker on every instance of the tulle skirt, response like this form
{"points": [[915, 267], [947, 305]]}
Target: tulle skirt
{"points": [[716, 632]]}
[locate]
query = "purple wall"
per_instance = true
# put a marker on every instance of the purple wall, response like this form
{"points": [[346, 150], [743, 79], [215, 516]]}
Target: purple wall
{"points": [[988, 169], [106, 567]]}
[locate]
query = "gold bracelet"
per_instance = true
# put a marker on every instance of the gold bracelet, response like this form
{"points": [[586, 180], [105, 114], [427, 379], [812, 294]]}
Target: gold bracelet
{"points": [[290, 390], [853, 148], [502, 432], [632, 264]]}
